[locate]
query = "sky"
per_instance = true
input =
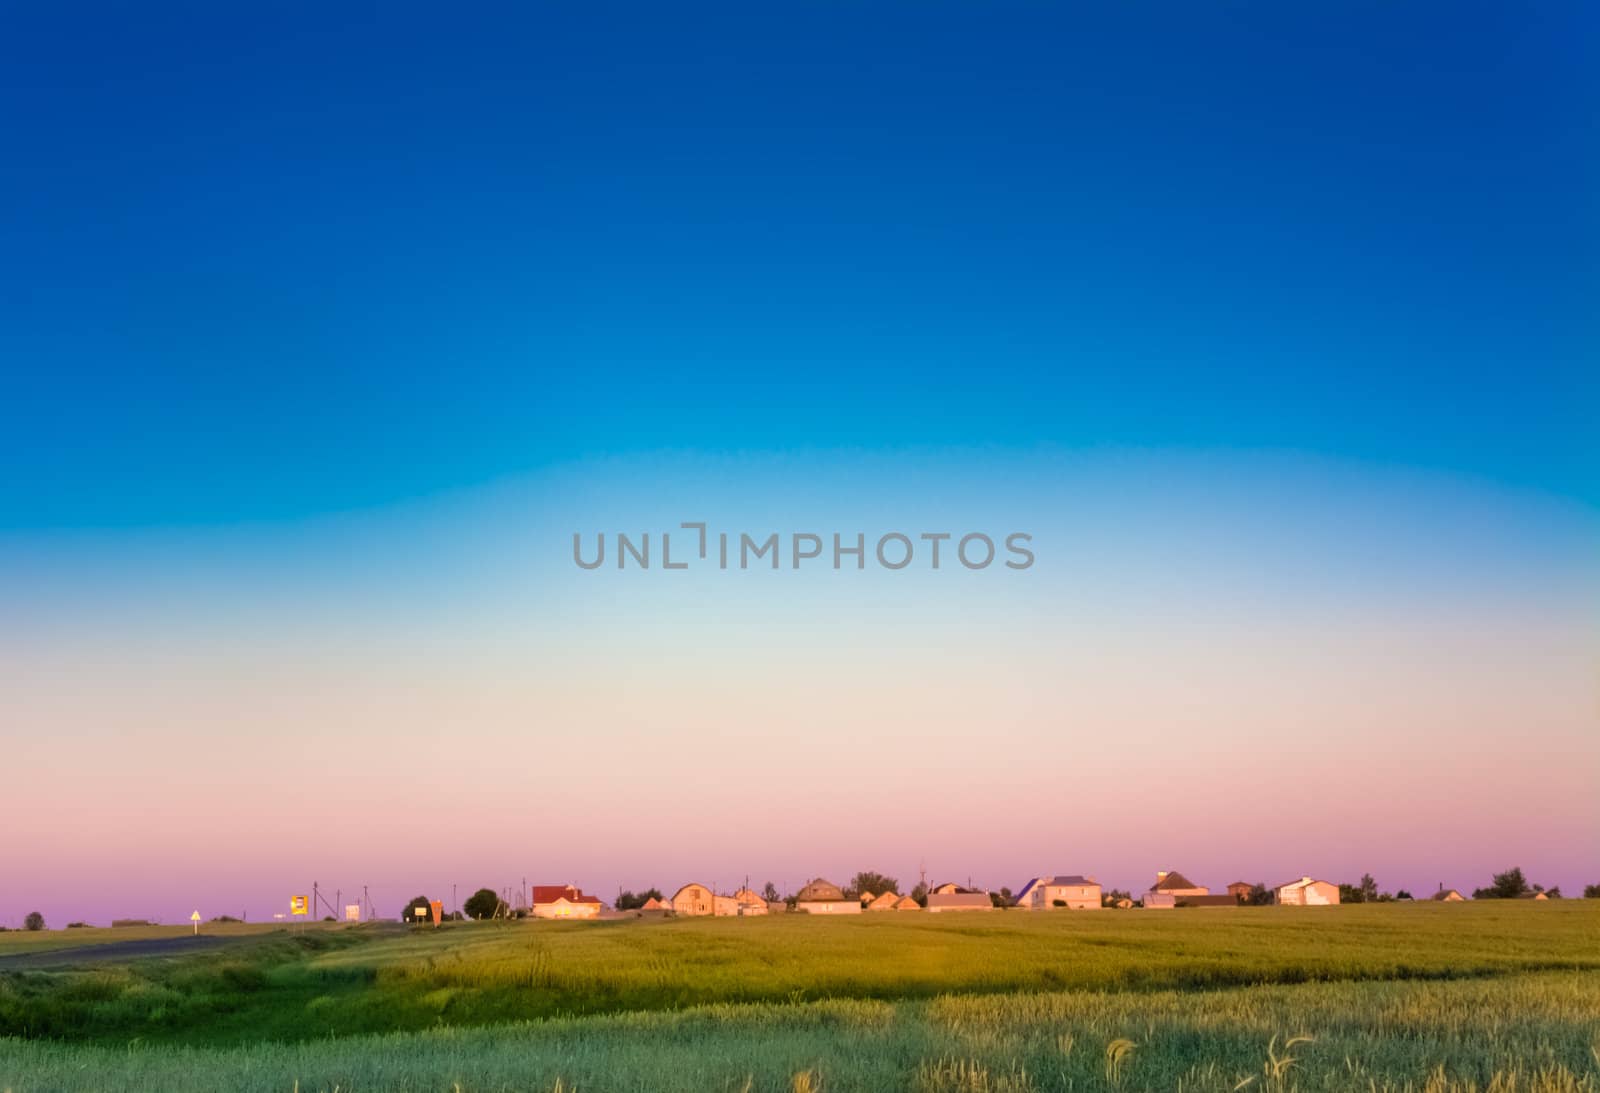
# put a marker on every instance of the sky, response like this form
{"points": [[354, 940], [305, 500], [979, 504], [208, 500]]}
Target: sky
{"points": [[321, 336]]}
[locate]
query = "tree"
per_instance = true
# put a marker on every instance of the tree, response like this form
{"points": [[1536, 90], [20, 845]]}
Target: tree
{"points": [[482, 904], [1591, 891], [420, 909], [1007, 899], [1508, 885], [1369, 889], [1554, 893], [34, 921], [632, 901], [920, 894], [1260, 896], [1402, 894], [1114, 897], [876, 883], [770, 893]]}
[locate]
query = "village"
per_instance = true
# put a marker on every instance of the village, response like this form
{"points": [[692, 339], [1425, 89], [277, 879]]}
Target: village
{"points": [[1170, 890]]}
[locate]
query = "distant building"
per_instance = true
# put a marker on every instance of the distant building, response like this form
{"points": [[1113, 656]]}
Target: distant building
{"points": [[1448, 895], [867, 897], [1306, 892], [822, 898], [563, 901], [1170, 887], [693, 899], [905, 903], [747, 902], [1533, 895], [1072, 892], [966, 899], [653, 904], [885, 902], [1240, 890]]}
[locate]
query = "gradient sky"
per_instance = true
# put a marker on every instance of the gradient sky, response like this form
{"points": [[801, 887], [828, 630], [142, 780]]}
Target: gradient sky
{"points": [[319, 339]]}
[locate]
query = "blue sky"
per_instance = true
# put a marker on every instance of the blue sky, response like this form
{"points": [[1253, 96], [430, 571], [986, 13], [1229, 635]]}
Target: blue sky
{"points": [[263, 266], [321, 334]]}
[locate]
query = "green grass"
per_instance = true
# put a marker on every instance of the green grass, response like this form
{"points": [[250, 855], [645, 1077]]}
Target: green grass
{"points": [[940, 1002]]}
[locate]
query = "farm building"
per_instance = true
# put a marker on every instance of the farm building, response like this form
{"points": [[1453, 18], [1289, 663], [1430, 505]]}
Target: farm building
{"points": [[948, 888], [822, 898], [1306, 892], [653, 904], [867, 897], [1170, 887], [1072, 892], [1533, 895], [1240, 890], [693, 899], [906, 903], [964, 900], [749, 902], [885, 902], [1448, 895], [563, 901]]}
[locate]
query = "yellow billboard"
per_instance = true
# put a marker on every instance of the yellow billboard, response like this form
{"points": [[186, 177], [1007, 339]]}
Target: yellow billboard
{"points": [[299, 905]]}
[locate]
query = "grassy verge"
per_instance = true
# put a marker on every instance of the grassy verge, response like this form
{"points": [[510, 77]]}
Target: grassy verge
{"points": [[1529, 1032]]}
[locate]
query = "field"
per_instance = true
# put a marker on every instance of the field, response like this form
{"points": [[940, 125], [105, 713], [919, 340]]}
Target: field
{"points": [[1502, 996]]}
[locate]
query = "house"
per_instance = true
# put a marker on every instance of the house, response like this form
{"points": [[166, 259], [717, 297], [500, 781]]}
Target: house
{"points": [[748, 902], [1169, 887], [1306, 892], [653, 904], [563, 901], [693, 899], [966, 899], [887, 902], [1448, 895], [1240, 890], [1073, 892], [822, 898], [948, 888], [905, 903]]}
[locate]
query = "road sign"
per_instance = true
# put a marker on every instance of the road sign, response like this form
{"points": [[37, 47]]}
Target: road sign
{"points": [[352, 912], [195, 918], [299, 905]]}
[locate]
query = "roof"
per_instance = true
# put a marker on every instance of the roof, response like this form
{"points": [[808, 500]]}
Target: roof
{"points": [[959, 899], [869, 895], [820, 891], [1445, 893], [885, 901], [1302, 882], [652, 904], [550, 893], [1071, 881], [905, 903], [1171, 881]]}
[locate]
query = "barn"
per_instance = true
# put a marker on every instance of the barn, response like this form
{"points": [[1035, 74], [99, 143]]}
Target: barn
{"points": [[821, 897]]}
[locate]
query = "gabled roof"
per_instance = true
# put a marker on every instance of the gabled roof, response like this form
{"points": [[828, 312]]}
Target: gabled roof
{"points": [[550, 893], [1171, 881], [820, 891], [1303, 882], [1070, 881], [653, 904], [905, 903], [868, 896], [884, 902]]}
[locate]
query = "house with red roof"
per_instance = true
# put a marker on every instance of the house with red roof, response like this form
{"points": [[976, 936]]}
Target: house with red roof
{"points": [[563, 901]]}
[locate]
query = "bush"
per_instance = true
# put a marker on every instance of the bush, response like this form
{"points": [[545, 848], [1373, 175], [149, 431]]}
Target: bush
{"points": [[34, 921]]}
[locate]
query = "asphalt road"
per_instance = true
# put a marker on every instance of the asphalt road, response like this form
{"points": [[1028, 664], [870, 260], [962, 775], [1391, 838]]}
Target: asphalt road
{"points": [[116, 951]]}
